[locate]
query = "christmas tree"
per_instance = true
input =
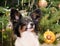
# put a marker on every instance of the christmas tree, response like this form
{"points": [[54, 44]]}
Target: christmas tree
{"points": [[49, 23], [50, 17]]}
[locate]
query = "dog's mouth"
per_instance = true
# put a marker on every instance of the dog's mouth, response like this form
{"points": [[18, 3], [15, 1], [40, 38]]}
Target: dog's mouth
{"points": [[30, 27]]}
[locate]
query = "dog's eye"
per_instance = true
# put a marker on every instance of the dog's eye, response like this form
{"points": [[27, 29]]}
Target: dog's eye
{"points": [[37, 16]]}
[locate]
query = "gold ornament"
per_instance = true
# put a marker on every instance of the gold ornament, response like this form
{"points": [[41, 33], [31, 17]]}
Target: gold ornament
{"points": [[42, 3], [9, 26], [49, 37]]}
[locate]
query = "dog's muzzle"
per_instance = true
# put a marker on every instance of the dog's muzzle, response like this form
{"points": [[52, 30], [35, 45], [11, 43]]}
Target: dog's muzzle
{"points": [[30, 25]]}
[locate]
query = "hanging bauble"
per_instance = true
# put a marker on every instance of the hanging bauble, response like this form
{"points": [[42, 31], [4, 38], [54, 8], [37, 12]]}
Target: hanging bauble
{"points": [[42, 3], [3, 30], [49, 37], [53, 9], [59, 6], [9, 26], [7, 13]]}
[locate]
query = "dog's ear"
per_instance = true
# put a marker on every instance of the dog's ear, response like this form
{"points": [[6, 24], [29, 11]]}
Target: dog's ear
{"points": [[37, 13], [16, 31]]}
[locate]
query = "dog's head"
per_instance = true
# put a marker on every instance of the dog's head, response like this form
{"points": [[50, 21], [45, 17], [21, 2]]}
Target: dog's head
{"points": [[29, 23]]}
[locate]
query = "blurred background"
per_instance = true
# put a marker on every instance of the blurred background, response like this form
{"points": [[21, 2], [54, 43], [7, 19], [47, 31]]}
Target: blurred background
{"points": [[50, 21]]}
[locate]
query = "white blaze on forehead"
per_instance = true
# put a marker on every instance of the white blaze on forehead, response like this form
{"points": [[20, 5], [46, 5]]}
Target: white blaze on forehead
{"points": [[9, 25], [28, 26]]}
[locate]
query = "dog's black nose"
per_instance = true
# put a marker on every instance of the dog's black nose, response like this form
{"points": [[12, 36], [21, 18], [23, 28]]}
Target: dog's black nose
{"points": [[32, 24]]}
